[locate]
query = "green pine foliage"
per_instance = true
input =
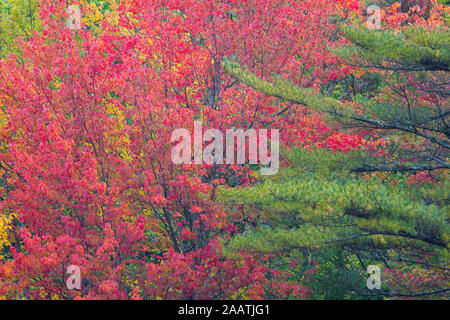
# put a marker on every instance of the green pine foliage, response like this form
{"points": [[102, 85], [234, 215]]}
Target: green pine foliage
{"points": [[313, 204], [415, 49], [412, 101], [336, 207]]}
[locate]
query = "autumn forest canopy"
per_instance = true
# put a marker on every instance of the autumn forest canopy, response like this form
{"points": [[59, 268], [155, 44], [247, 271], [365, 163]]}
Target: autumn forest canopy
{"points": [[349, 103]]}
